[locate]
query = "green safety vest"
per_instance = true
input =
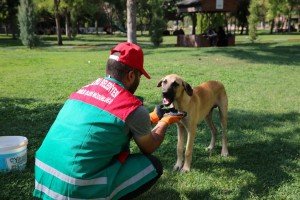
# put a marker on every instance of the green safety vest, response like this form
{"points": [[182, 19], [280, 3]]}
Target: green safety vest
{"points": [[79, 157]]}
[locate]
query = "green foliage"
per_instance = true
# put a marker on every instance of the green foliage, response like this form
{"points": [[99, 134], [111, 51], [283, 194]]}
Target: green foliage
{"points": [[144, 14], [243, 12], [202, 23], [156, 30], [8, 15], [253, 19], [26, 17], [213, 20], [273, 9], [217, 20], [158, 25]]}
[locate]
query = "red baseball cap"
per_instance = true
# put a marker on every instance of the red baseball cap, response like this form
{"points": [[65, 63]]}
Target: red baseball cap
{"points": [[130, 55]]}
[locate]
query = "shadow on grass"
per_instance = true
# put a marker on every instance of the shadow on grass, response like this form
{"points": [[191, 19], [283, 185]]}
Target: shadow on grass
{"points": [[267, 155], [263, 53], [267, 161], [82, 42], [257, 147], [159, 192], [27, 117], [10, 42], [30, 118]]}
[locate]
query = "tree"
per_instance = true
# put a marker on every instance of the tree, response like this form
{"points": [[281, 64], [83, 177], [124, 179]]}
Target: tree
{"points": [[3, 14], [144, 14], [57, 21], [275, 8], [273, 11], [202, 23], [73, 10], [120, 7], [242, 14], [158, 25], [289, 7], [262, 11], [55, 7], [8, 16], [26, 18], [253, 19], [131, 21]]}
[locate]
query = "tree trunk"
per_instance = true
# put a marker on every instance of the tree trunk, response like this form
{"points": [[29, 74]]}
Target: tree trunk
{"points": [[57, 21], [13, 27], [272, 26], [58, 29], [289, 22], [68, 23], [96, 27], [142, 25], [242, 29], [234, 26], [6, 29], [194, 22], [131, 21]]}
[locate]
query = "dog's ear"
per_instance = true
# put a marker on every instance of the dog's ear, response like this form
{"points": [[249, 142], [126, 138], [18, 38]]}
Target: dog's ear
{"points": [[187, 88], [159, 83]]}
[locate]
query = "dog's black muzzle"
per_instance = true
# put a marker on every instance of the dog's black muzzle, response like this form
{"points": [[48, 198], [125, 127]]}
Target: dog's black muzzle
{"points": [[168, 97], [169, 94]]}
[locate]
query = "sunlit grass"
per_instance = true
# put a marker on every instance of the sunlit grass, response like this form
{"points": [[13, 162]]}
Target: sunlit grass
{"points": [[261, 79]]}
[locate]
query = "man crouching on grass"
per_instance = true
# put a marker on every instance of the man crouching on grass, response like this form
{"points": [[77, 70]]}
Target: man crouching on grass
{"points": [[85, 154]]}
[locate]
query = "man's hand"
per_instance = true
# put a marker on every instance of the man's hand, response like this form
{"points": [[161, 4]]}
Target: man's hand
{"points": [[150, 142], [159, 112], [173, 117]]}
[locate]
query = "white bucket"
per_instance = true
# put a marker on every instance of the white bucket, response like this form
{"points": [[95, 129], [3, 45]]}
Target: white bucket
{"points": [[13, 153]]}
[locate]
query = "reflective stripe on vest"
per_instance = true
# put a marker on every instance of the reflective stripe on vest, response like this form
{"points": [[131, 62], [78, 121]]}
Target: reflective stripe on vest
{"points": [[56, 195], [80, 182], [133, 180], [69, 179]]}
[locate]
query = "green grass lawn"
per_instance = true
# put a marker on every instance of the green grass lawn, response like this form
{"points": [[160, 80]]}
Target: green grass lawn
{"points": [[263, 85]]}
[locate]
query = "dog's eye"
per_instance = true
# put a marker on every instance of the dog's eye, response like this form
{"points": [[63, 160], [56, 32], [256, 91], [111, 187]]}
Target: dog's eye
{"points": [[174, 84], [165, 81]]}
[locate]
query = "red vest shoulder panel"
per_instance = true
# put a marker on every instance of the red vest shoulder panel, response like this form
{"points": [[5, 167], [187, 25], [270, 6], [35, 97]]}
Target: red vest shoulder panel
{"points": [[109, 96]]}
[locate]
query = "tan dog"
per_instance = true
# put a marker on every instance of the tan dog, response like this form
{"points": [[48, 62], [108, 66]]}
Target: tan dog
{"points": [[198, 102]]}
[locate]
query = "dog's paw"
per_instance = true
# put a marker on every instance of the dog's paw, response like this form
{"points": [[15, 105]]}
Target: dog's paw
{"points": [[185, 170], [224, 153], [177, 168], [209, 148]]}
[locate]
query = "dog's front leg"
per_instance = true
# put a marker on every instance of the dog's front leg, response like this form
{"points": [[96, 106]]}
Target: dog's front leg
{"points": [[189, 149], [181, 132]]}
